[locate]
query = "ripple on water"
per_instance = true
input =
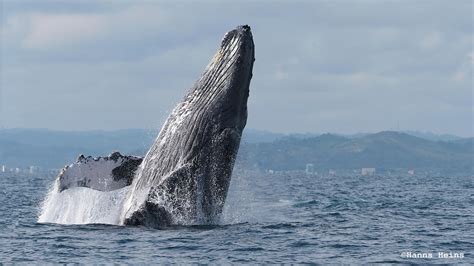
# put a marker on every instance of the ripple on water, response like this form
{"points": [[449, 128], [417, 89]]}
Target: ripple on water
{"points": [[305, 204], [301, 219]]}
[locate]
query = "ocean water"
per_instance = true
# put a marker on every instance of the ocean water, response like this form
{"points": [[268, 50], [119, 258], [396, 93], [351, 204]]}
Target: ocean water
{"points": [[268, 218]]}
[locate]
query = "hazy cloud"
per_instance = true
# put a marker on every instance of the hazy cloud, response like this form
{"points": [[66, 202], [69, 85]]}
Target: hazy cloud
{"points": [[320, 65]]}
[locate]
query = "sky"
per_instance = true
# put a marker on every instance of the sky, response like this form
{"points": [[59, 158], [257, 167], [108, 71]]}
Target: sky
{"points": [[321, 66]]}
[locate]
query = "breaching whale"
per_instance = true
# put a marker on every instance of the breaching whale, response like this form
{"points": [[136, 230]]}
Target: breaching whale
{"points": [[185, 175]]}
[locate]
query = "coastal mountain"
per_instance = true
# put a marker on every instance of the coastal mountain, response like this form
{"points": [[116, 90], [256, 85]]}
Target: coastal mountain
{"points": [[53, 149], [386, 150], [259, 149]]}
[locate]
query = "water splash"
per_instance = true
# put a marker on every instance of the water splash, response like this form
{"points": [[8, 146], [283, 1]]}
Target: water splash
{"points": [[82, 205]]}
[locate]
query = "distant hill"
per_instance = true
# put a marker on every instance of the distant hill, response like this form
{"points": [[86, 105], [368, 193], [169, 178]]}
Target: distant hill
{"points": [[54, 149], [257, 136], [433, 136], [259, 149], [381, 150]]}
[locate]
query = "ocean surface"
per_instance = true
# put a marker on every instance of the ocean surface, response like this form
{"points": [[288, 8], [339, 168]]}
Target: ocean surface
{"points": [[268, 218]]}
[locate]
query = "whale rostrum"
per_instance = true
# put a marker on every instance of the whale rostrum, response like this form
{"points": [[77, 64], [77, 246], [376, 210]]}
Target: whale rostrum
{"points": [[185, 175]]}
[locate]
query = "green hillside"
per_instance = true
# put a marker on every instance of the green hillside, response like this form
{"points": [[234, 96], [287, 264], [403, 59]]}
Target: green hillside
{"points": [[381, 150]]}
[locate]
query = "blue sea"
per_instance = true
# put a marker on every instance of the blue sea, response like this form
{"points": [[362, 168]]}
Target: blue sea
{"points": [[268, 218]]}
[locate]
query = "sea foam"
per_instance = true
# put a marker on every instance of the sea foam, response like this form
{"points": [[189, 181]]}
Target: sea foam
{"points": [[82, 205]]}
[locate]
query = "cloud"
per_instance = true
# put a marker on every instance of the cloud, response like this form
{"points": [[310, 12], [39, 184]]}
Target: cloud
{"points": [[320, 66], [465, 70], [56, 31], [431, 40]]}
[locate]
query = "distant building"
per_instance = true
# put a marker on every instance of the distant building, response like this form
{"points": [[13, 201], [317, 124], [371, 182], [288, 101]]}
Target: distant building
{"points": [[4, 168], [309, 168], [367, 171], [411, 172], [17, 170], [332, 172]]}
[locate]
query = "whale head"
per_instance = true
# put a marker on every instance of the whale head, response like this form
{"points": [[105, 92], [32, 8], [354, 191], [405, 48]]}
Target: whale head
{"points": [[225, 82], [185, 176]]}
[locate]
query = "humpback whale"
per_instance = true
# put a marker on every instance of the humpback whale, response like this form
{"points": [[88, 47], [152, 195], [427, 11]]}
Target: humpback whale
{"points": [[185, 175]]}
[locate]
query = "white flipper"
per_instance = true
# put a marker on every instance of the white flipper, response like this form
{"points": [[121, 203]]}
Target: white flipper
{"points": [[101, 173]]}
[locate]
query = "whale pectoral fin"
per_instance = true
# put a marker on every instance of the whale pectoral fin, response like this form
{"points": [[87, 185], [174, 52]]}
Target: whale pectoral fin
{"points": [[178, 190], [171, 195], [101, 173], [175, 194], [178, 182], [150, 214]]}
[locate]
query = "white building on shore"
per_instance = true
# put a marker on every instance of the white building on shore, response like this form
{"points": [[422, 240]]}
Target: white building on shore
{"points": [[309, 168], [367, 171]]}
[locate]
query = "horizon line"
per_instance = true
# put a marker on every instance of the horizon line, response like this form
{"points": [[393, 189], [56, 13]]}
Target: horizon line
{"points": [[406, 131]]}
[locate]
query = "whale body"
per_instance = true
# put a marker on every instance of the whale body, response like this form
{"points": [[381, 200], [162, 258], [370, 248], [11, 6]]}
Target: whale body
{"points": [[184, 177]]}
